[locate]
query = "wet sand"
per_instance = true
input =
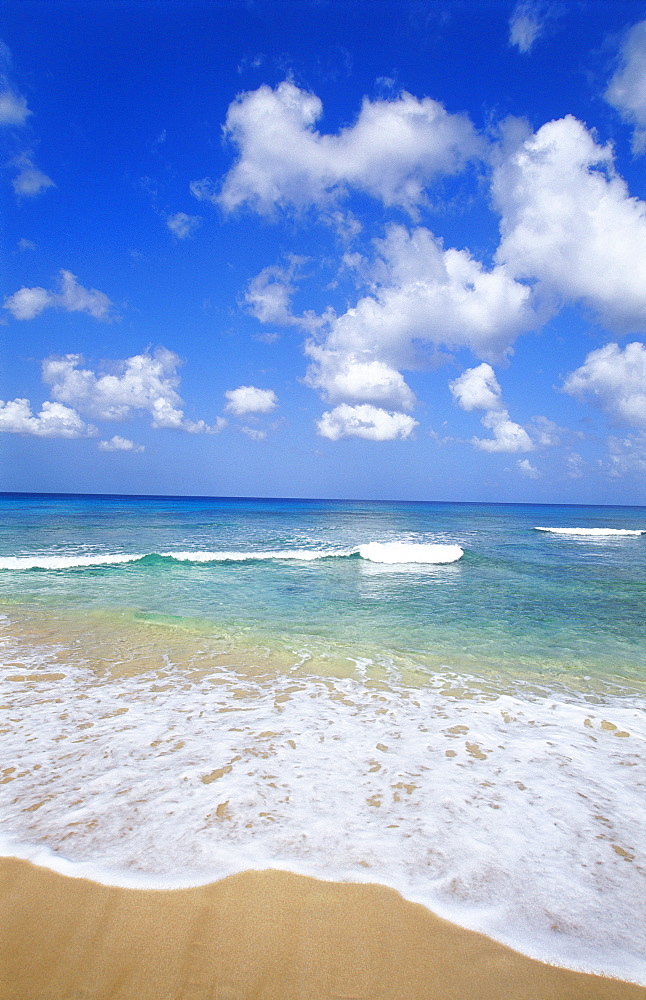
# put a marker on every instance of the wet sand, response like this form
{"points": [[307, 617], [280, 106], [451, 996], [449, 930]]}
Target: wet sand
{"points": [[255, 936]]}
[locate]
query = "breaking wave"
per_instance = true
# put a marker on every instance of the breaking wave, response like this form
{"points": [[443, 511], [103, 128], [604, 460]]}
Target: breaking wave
{"points": [[594, 532], [378, 552]]}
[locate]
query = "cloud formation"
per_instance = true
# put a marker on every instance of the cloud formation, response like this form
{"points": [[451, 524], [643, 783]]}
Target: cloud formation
{"points": [[364, 421], [422, 297], [525, 25], [30, 181], [478, 389], [54, 420], [13, 107], [118, 443], [28, 303], [569, 221], [614, 380], [627, 88], [145, 382], [182, 225], [392, 152], [249, 399]]}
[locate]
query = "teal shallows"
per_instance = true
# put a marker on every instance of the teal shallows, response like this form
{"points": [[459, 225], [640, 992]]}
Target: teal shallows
{"points": [[520, 600]]}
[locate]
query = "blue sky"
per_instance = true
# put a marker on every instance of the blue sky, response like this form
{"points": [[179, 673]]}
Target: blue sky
{"points": [[354, 249]]}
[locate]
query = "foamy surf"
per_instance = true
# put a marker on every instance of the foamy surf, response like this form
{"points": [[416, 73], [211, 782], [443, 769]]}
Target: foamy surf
{"points": [[154, 781], [377, 552], [409, 552], [594, 532]]}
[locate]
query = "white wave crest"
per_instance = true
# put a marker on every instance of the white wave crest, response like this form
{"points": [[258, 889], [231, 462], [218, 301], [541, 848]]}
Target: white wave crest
{"points": [[594, 532], [377, 552], [303, 555], [408, 552], [66, 562]]}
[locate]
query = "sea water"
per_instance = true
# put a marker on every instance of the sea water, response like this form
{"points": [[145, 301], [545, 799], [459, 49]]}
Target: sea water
{"points": [[443, 698]]}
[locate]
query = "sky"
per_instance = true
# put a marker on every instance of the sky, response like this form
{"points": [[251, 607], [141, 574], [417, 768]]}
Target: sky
{"points": [[365, 249]]}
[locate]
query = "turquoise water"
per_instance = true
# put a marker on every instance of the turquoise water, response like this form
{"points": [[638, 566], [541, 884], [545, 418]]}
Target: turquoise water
{"points": [[438, 697], [517, 598]]}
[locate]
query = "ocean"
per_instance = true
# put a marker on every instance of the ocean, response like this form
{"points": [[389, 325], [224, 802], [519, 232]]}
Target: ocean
{"points": [[443, 698]]}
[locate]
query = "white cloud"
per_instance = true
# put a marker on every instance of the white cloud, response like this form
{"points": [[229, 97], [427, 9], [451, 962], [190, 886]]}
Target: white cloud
{"points": [[545, 432], [627, 88], [248, 399], [144, 382], [626, 455], [24, 244], [507, 437], [569, 221], [30, 181], [27, 303], [478, 389], [254, 433], [422, 296], [392, 152], [344, 376], [614, 380], [54, 420], [13, 108], [268, 295], [182, 225], [526, 468], [575, 465], [369, 422], [525, 25], [118, 443]]}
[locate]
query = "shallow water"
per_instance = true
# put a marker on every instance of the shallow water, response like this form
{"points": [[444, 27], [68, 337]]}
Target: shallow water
{"points": [[262, 685]]}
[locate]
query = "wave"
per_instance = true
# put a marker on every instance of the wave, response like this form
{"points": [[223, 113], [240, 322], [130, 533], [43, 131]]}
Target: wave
{"points": [[594, 532], [378, 552], [66, 562]]}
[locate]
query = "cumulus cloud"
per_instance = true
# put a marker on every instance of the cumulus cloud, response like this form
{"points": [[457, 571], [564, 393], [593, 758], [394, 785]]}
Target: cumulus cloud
{"points": [[626, 455], [507, 437], [254, 433], [525, 25], [30, 181], [627, 88], [422, 296], [575, 465], [392, 152], [615, 380], [268, 295], [54, 420], [182, 225], [249, 399], [364, 421], [526, 468], [118, 443], [27, 303], [13, 107], [344, 376], [478, 389], [569, 222], [145, 382]]}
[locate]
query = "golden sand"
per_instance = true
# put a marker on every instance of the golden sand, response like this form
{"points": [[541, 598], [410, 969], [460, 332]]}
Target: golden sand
{"points": [[255, 936]]}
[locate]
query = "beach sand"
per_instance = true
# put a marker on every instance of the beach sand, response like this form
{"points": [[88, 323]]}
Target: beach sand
{"points": [[259, 936]]}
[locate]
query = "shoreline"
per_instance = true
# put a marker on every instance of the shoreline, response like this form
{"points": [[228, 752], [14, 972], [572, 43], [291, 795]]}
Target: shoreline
{"points": [[261, 935]]}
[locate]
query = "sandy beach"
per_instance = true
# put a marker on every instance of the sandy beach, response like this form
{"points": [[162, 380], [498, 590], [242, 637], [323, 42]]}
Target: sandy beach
{"points": [[262, 935]]}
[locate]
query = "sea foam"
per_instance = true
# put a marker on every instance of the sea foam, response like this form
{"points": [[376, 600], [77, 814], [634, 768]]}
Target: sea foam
{"points": [[507, 811], [378, 552], [594, 532]]}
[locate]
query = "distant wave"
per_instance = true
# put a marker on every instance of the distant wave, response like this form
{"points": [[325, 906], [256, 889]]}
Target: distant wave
{"points": [[65, 562], [378, 552], [594, 532]]}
